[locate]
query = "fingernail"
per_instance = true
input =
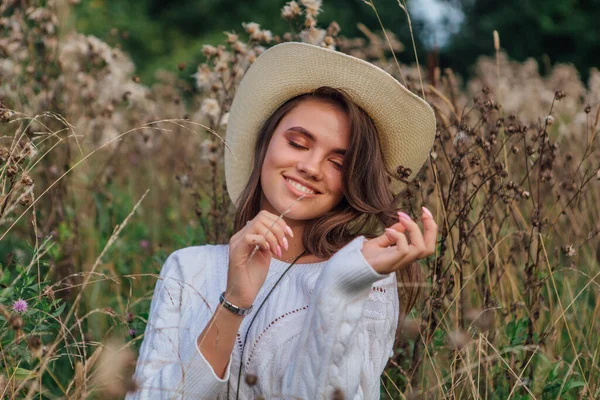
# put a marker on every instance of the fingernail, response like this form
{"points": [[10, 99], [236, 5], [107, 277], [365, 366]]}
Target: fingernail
{"points": [[289, 230], [285, 244], [426, 211], [278, 251], [390, 231], [404, 216]]}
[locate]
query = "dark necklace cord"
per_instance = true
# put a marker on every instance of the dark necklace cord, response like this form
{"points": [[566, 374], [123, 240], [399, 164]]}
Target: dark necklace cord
{"points": [[237, 395]]}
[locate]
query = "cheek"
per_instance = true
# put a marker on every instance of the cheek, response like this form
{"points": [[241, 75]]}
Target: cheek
{"points": [[336, 186]]}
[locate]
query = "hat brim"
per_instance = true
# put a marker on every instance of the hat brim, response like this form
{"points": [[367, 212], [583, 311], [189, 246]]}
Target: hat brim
{"points": [[404, 121]]}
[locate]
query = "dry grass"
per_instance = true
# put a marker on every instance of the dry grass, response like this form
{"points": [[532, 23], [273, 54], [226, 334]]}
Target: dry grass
{"points": [[95, 193]]}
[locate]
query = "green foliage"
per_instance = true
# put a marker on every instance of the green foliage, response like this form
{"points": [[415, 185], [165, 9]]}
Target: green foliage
{"points": [[159, 34], [24, 335], [555, 31]]}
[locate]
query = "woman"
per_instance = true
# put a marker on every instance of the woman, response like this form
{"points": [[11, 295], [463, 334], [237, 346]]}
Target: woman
{"points": [[299, 304]]}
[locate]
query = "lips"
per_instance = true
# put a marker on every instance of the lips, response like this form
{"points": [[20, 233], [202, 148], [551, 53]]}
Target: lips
{"points": [[297, 190]]}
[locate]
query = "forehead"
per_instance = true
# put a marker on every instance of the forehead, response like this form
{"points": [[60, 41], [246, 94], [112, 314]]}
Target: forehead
{"points": [[325, 121]]}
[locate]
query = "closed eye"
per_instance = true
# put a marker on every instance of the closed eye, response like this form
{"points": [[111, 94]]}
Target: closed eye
{"points": [[296, 145]]}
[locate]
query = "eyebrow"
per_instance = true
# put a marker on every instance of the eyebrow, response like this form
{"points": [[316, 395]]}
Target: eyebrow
{"points": [[312, 138]]}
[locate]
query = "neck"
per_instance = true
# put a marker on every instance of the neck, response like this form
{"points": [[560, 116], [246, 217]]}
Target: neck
{"points": [[295, 244]]}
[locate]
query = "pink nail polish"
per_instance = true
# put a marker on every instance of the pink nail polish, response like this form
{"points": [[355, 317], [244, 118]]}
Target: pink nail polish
{"points": [[285, 244], [289, 230], [426, 211], [278, 251], [404, 216]]}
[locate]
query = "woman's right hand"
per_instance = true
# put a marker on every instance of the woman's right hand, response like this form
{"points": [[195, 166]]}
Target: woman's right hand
{"points": [[246, 275]]}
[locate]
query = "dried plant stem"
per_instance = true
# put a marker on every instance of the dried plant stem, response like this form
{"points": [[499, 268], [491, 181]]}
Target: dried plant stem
{"points": [[412, 36], [557, 294], [370, 3]]}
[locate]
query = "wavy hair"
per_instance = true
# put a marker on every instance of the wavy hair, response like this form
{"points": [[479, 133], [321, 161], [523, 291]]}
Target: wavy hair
{"points": [[368, 204]]}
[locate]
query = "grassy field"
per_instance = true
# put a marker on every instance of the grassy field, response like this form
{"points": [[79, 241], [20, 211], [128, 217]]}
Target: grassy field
{"points": [[101, 177]]}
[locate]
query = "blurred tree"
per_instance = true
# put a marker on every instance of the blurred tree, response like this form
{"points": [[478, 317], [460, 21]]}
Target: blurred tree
{"points": [[161, 34], [552, 31]]}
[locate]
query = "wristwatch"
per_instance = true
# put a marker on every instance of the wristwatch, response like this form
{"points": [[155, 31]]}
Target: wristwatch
{"points": [[232, 307]]}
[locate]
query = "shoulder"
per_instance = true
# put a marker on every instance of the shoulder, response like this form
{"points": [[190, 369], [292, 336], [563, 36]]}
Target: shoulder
{"points": [[194, 259]]}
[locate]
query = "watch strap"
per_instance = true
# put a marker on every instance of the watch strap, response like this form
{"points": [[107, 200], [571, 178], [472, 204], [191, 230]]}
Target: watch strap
{"points": [[232, 307]]}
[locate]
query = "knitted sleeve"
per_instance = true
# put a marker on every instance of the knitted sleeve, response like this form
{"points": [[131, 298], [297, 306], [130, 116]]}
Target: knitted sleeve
{"points": [[348, 333], [167, 367]]}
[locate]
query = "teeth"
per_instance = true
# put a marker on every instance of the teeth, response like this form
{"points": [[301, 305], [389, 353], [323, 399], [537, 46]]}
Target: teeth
{"points": [[300, 187]]}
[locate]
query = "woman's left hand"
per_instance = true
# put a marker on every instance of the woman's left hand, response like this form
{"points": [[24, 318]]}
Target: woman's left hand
{"points": [[391, 251]]}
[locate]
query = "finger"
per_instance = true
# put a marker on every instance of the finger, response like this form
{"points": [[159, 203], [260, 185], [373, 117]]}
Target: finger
{"points": [[252, 240], [279, 221], [430, 230], [400, 241], [272, 233], [385, 240], [398, 226], [264, 226], [417, 243]]}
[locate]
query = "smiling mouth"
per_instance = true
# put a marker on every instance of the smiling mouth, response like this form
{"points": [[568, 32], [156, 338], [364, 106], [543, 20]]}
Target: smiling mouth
{"points": [[300, 188]]}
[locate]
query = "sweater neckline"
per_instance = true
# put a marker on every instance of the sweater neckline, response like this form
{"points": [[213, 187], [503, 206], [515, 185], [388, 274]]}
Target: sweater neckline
{"points": [[280, 262]]}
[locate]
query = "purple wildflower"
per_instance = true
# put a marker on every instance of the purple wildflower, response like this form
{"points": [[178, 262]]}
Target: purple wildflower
{"points": [[132, 332], [144, 244], [20, 306]]}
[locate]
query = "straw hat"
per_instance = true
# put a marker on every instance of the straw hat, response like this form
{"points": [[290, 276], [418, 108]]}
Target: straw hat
{"points": [[405, 122]]}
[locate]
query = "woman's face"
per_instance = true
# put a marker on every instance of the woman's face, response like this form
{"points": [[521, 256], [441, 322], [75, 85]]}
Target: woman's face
{"points": [[304, 157]]}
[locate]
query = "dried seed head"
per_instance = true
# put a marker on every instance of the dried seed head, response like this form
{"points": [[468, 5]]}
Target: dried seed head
{"points": [[337, 394], [458, 339], [559, 94], [26, 179], [16, 322], [114, 370], [588, 109], [4, 154], [5, 114], [549, 120], [482, 320], [11, 171], [251, 28], [410, 329], [209, 51], [568, 250], [34, 343], [496, 41], [26, 200], [266, 36], [333, 29], [313, 7], [403, 172], [48, 292], [291, 10], [251, 379], [231, 37], [210, 108]]}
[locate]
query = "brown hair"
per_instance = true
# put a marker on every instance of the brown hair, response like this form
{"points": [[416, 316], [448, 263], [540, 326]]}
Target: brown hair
{"points": [[368, 204]]}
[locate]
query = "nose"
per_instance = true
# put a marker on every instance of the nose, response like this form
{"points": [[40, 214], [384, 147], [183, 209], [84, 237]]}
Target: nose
{"points": [[310, 165]]}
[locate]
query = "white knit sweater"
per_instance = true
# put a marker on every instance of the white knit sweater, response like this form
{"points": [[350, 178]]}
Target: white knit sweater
{"points": [[326, 325]]}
